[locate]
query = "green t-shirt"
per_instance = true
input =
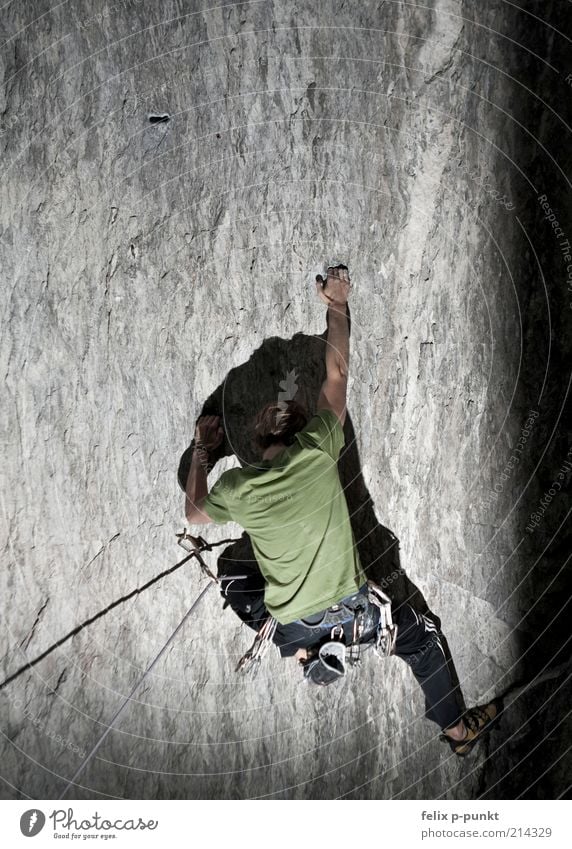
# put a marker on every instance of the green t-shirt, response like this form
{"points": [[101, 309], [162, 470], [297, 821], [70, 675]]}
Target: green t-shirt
{"points": [[295, 512]]}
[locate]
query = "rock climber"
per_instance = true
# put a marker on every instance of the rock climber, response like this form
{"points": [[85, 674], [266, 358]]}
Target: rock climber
{"points": [[311, 584]]}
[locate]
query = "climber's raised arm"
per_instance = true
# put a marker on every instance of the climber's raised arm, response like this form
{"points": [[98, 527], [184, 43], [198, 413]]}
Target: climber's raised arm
{"points": [[208, 435], [334, 291]]}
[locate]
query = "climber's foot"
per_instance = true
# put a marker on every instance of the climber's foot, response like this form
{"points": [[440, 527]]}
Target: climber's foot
{"points": [[478, 721]]}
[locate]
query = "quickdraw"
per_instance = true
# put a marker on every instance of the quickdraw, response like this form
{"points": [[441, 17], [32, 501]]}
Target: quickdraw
{"points": [[386, 630], [249, 663], [354, 648]]}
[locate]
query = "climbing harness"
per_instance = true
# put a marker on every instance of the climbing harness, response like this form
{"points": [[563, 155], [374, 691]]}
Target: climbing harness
{"points": [[349, 609], [328, 664], [352, 609], [327, 661]]}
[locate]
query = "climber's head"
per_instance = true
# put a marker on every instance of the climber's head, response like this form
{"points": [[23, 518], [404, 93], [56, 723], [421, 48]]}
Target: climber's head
{"points": [[278, 422]]}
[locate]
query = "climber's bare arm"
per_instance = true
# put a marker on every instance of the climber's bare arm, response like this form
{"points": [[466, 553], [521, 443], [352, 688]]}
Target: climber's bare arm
{"points": [[208, 435], [334, 291], [196, 492]]}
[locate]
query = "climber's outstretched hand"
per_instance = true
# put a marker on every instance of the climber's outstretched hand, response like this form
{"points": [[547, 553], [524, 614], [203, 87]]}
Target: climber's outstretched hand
{"points": [[209, 432], [335, 289]]}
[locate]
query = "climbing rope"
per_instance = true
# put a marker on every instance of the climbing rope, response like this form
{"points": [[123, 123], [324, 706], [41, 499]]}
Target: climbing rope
{"points": [[126, 701], [194, 545]]}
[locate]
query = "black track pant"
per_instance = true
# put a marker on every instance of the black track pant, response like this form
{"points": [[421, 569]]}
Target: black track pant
{"points": [[419, 643]]}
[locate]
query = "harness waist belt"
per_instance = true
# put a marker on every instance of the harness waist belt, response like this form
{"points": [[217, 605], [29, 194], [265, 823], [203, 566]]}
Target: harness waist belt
{"points": [[343, 611]]}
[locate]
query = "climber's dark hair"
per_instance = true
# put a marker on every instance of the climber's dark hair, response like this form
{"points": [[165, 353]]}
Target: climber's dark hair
{"points": [[279, 422]]}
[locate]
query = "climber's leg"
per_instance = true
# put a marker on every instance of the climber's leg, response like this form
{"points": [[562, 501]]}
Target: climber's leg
{"points": [[419, 645]]}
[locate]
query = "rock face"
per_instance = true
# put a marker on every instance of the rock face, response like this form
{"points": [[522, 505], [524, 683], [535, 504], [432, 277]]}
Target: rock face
{"points": [[174, 177]]}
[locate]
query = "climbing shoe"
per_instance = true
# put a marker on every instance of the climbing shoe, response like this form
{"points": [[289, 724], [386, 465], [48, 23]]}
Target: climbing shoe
{"points": [[478, 721]]}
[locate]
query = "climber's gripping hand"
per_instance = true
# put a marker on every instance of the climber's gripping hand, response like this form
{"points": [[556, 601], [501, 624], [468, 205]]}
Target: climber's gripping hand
{"points": [[209, 433], [335, 289]]}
